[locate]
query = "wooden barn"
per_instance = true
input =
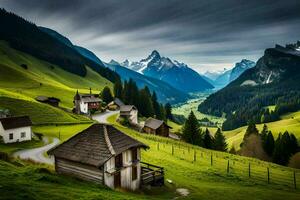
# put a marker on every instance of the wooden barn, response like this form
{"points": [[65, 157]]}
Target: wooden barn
{"points": [[156, 127], [48, 100], [130, 112], [115, 104], [104, 155]]}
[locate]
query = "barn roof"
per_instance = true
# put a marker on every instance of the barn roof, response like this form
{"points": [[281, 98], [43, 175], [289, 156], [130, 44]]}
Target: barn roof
{"points": [[119, 102], [95, 145], [47, 99], [15, 122], [127, 108], [154, 123]]}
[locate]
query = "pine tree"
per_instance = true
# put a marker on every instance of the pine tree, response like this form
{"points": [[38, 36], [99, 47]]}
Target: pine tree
{"points": [[220, 141], [145, 104], [264, 134], [269, 144], [118, 89], [278, 149], [251, 129], [208, 140], [293, 144], [156, 107], [191, 132], [106, 95], [168, 110]]}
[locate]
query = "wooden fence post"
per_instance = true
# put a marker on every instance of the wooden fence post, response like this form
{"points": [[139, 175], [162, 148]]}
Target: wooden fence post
{"points": [[295, 184], [268, 174], [249, 169], [211, 160], [158, 146], [228, 167], [194, 156]]}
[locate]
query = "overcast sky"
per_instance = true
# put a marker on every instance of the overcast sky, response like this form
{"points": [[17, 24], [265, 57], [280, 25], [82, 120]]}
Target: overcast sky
{"points": [[205, 34]]}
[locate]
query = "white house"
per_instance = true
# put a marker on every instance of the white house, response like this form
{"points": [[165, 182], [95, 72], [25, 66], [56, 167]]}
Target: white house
{"points": [[15, 129], [130, 112], [84, 103], [104, 155]]}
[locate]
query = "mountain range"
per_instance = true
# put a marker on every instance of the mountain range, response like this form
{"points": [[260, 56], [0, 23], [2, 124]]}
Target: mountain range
{"points": [[175, 73], [275, 80], [221, 78]]}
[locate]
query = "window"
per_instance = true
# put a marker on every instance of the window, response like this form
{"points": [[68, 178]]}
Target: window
{"points": [[134, 154], [118, 161], [11, 136], [134, 173], [23, 134]]}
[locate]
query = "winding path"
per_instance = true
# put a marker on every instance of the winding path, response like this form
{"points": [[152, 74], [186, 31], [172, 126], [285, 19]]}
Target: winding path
{"points": [[37, 154], [102, 117]]}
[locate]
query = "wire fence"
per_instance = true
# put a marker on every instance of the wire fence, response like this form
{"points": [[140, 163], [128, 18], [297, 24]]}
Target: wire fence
{"points": [[243, 168]]}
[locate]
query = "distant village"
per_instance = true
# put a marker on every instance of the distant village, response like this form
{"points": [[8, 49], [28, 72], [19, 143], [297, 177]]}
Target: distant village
{"points": [[100, 153]]}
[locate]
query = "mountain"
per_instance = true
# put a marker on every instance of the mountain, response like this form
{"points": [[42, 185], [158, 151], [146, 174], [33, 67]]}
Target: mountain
{"points": [[164, 91], [213, 75], [176, 74], [275, 80], [239, 68], [222, 78], [57, 35], [25, 36]]}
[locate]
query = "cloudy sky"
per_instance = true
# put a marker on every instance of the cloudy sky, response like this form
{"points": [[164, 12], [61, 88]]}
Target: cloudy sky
{"points": [[207, 35]]}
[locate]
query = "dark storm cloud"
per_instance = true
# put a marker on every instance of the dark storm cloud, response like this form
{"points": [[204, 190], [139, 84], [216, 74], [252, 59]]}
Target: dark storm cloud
{"points": [[204, 34]]}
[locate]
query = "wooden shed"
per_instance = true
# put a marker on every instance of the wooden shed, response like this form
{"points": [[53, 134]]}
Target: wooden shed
{"points": [[156, 127], [49, 100], [101, 154]]}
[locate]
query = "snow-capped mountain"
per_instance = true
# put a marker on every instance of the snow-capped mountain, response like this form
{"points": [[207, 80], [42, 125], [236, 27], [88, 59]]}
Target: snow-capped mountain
{"points": [[239, 68], [175, 73], [222, 78]]}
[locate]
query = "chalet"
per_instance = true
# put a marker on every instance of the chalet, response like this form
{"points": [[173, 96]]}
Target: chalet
{"points": [[48, 100], [104, 155], [84, 103], [156, 127], [115, 104], [129, 112], [15, 129]]}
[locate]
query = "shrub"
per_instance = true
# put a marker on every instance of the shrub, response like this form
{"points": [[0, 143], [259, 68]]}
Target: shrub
{"points": [[24, 66], [295, 161]]}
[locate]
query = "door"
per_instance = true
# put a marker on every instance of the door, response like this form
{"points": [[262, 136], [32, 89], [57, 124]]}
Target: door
{"points": [[117, 179]]}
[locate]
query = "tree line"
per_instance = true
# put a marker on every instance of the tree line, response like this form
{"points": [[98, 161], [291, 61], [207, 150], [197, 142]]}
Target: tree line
{"points": [[193, 134], [145, 101], [262, 145]]}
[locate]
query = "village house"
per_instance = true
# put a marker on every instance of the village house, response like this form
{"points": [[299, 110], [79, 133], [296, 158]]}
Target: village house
{"points": [[15, 129], [156, 127], [130, 113], [104, 155], [115, 104], [48, 100], [85, 103]]}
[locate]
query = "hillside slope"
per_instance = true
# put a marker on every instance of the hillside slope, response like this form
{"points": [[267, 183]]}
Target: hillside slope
{"points": [[41, 78]]}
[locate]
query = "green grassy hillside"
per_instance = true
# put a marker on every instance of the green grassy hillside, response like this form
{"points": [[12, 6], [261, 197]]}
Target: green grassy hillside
{"points": [[202, 179], [289, 122], [19, 87]]}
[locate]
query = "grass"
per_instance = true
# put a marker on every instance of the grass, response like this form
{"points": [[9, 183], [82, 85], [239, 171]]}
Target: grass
{"points": [[201, 179], [192, 105], [63, 132], [289, 122], [212, 182], [11, 148], [176, 128]]}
